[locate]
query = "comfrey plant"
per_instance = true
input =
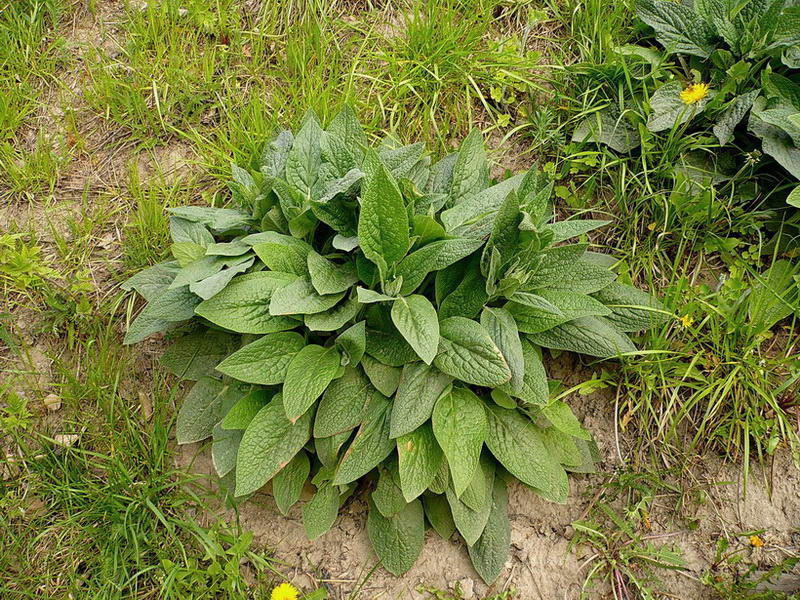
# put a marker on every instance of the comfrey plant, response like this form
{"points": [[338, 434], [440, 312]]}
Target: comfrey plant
{"points": [[366, 316]]}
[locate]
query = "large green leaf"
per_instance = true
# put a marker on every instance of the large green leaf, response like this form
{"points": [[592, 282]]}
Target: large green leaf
{"points": [[264, 361], [199, 411], [503, 329], [594, 336], [308, 374], [383, 221], [467, 352], [319, 514], [287, 485], [269, 443], [459, 423], [420, 458], [415, 318], [343, 404], [420, 386], [398, 540], [192, 356], [300, 298], [490, 552], [370, 446], [243, 306], [515, 442]]}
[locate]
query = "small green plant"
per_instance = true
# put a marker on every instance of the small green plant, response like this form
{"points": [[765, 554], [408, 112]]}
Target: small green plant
{"points": [[622, 554], [22, 266], [731, 581], [364, 313]]}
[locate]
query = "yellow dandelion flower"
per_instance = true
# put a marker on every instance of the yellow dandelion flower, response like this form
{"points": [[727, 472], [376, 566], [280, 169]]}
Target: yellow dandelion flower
{"points": [[686, 321], [285, 591], [694, 93], [756, 541]]}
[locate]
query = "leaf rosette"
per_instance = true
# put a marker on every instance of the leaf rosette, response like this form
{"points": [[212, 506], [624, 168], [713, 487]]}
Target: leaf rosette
{"points": [[365, 315]]}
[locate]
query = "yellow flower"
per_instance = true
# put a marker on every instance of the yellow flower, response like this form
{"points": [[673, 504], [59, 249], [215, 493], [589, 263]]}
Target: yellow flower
{"points": [[694, 93], [285, 591], [686, 321], [756, 541]]}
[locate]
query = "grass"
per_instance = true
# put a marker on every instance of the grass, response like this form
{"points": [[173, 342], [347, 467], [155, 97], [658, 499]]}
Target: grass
{"points": [[96, 507], [110, 516]]}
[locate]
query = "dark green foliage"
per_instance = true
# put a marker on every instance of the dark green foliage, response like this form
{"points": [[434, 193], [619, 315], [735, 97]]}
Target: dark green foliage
{"points": [[377, 300]]}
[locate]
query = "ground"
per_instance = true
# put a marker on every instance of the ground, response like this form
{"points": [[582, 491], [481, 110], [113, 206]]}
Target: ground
{"points": [[116, 110]]}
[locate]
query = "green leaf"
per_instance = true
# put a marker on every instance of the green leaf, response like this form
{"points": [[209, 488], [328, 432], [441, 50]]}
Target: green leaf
{"points": [[187, 252], [732, 116], [397, 541], [562, 447], [199, 411], [216, 219], [269, 443], [438, 512], [467, 352], [774, 296], [515, 442], [570, 306], [152, 281], [433, 257], [388, 495], [677, 27], [308, 374], [419, 388], [390, 348], [320, 513], [471, 522], [503, 330], [224, 447], [264, 361], [353, 342], [287, 485], [561, 416], [535, 389], [333, 318], [469, 296], [490, 553], [300, 298], [370, 446], [459, 423], [304, 158], [343, 404], [415, 318], [194, 355], [366, 296], [383, 221], [420, 457], [241, 413], [594, 336], [668, 110], [474, 217], [169, 307], [182, 230], [383, 377], [608, 126], [329, 278], [281, 253], [243, 306], [471, 169], [631, 309]]}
